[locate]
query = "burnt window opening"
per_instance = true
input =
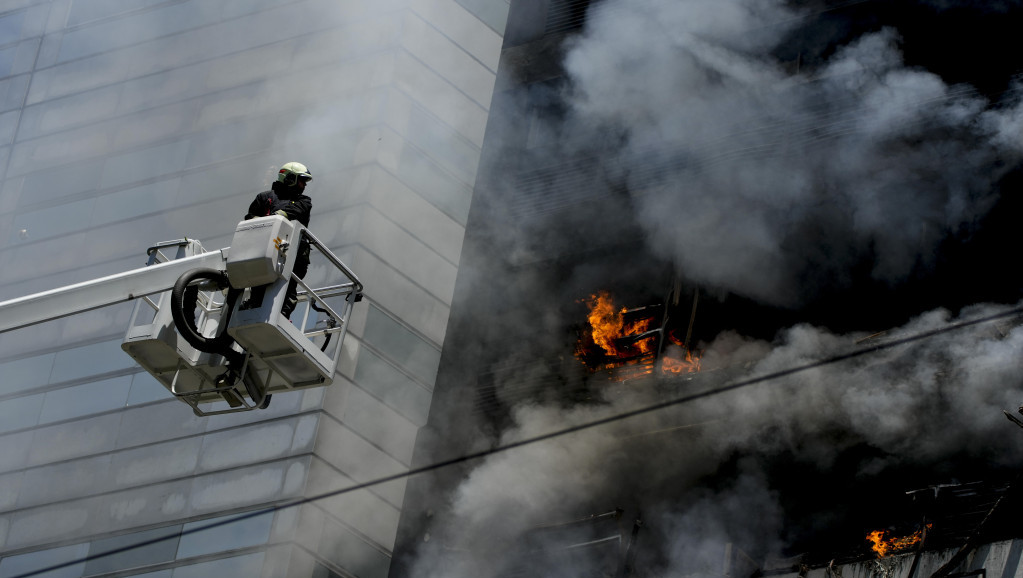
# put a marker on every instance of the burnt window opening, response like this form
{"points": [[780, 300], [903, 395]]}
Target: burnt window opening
{"points": [[654, 334], [634, 342], [565, 15], [547, 112], [598, 545]]}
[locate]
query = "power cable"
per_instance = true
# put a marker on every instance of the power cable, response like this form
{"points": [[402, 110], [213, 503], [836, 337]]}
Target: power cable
{"points": [[554, 434]]}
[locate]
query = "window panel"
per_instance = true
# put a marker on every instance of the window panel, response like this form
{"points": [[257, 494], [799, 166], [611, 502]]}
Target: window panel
{"points": [[151, 198], [85, 10], [20, 412], [74, 439], [392, 387], [90, 360], [10, 27], [474, 35], [145, 388], [401, 345], [222, 142], [7, 58], [8, 125], [147, 25], [493, 13], [450, 149], [236, 8], [76, 77], [26, 373], [248, 532], [144, 164], [434, 93], [25, 563], [247, 565], [246, 176], [108, 243], [11, 485], [53, 221], [162, 88], [161, 551], [433, 184], [380, 425], [34, 24], [58, 182], [62, 114], [85, 399], [322, 571], [63, 480], [351, 553], [13, 90], [16, 450]]}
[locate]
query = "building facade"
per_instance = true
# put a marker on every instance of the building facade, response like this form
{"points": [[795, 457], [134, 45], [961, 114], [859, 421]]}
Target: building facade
{"points": [[554, 221], [127, 123]]}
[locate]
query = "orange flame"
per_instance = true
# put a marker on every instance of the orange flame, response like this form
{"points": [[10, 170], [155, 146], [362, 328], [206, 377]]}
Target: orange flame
{"points": [[691, 363], [637, 327], [606, 322], [885, 547], [608, 325]]}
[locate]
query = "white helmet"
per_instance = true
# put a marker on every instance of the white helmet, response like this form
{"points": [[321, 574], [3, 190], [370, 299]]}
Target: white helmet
{"points": [[290, 174]]}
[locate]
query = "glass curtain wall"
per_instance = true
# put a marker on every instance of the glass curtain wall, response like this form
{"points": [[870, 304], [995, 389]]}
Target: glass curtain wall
{"points": [[124, 123]]}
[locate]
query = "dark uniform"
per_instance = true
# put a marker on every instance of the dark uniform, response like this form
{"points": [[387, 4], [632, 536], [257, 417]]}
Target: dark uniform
{"points": [[288, 202]]}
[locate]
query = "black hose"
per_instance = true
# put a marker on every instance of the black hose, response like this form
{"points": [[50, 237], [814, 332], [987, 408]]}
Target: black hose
{"points": [[331, 323], [184, 296], [260, 398]]}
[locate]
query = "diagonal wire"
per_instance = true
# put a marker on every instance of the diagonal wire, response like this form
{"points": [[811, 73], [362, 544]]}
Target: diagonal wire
{"points": [[555, 434]]}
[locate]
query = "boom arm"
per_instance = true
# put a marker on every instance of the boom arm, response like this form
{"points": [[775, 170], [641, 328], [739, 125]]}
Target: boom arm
{"points": [[89, 295], [214, 349]]}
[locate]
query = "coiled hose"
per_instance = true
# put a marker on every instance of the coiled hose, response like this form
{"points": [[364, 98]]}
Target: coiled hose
{"points": [[184, 298]]}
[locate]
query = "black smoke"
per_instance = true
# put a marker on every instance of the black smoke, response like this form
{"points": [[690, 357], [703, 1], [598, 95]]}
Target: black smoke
{"points": [[820, 171]]}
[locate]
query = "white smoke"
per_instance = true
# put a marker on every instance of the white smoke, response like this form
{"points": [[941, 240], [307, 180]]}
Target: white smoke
{"points": [[941, 395], [776, 176], [779, 181], [921, 402]]}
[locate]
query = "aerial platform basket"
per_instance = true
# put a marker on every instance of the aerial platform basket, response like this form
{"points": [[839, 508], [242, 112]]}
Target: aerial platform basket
{"points": [[208, 324], [260, 351]]}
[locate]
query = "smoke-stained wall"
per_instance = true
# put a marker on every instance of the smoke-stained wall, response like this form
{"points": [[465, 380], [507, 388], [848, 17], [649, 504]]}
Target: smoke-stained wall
{"points": [[819, 167], [127, 123]]}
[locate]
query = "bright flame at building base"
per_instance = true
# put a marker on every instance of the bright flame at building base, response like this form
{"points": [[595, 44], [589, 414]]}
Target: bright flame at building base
{"points": [[883, 547]]}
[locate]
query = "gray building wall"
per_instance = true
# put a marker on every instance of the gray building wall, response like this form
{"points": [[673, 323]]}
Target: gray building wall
{"points": [[128, 122]]}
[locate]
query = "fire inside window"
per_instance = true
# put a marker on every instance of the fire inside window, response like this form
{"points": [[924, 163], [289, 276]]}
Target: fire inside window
{"points": [[634, 342]]}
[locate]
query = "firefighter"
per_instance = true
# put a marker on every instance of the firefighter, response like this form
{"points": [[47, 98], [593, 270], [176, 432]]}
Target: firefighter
{"points": [[287, 198]]}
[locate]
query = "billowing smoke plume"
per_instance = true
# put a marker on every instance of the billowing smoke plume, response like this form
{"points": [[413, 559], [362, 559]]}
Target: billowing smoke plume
{"points": [[919, 403], [780, 181], [773, 179]]}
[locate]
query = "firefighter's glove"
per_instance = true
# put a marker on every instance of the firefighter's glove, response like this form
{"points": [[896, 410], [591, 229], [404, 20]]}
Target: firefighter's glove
{"points": [[281, 213]]}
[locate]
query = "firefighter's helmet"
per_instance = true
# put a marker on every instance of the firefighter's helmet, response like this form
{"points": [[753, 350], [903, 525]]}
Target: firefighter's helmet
{"points": [[291, 173]]}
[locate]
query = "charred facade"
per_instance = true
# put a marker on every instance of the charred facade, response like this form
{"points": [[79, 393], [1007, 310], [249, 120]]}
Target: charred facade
{"points": [[561, 219]]}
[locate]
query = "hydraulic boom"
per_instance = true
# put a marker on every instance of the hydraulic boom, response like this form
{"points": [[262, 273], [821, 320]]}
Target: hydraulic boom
{"points": [[208, 325], [89, 295]]}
